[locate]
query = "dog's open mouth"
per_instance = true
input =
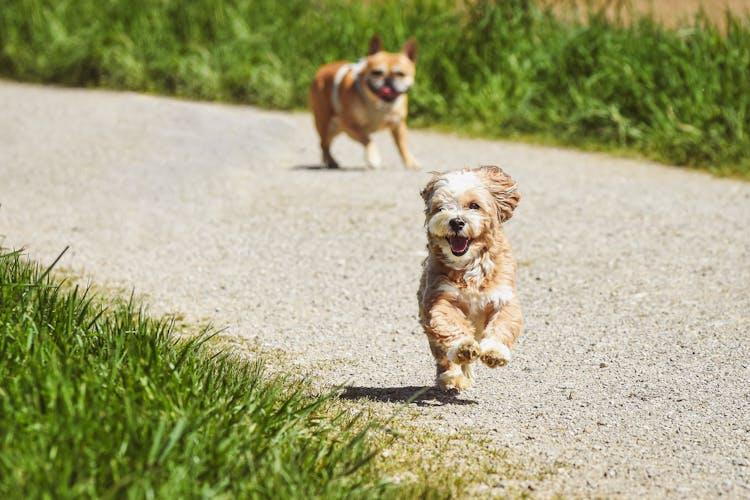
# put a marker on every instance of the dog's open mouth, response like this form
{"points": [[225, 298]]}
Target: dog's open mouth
{"points": [[386, 92], [459, 244]]}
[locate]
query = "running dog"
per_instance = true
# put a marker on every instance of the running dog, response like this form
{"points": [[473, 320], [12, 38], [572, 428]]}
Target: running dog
{"points": [[364, 97], [468, 304]]}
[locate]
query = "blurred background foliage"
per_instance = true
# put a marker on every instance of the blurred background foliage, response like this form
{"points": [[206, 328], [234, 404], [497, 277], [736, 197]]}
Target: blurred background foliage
{"points": [[499, 68]]}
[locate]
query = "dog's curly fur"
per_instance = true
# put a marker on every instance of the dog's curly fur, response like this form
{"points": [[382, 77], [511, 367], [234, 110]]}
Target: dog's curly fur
{"points": [[468, 304]]}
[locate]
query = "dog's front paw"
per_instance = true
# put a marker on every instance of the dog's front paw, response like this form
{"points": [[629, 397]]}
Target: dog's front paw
{"points": [[453, 380], [494, 353], [372, 156], [412, 163], [464, 351]]}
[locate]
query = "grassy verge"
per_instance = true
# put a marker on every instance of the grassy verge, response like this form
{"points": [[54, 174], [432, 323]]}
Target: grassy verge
{"points": [[104, 402], [100, 400], [502, 68]]}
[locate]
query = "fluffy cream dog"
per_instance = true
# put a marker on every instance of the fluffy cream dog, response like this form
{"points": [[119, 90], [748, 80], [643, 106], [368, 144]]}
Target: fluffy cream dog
{"points": [[468, 305]]}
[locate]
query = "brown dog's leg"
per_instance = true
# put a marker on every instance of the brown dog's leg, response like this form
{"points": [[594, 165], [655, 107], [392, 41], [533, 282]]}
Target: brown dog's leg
{"points": [[452, 343], [501, 332], [325, 122], [333, 129], [399, 136], [372, 155]]}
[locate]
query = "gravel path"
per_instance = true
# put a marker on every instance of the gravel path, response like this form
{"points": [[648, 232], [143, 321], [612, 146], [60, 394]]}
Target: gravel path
{"points": [[632, 377]]}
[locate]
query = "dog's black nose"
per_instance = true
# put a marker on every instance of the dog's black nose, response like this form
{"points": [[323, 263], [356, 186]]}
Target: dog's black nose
{"points": [[457, 224]]}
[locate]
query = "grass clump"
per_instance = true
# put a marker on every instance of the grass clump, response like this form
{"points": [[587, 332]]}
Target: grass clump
{"points": [[103, 402], [502, 68]]}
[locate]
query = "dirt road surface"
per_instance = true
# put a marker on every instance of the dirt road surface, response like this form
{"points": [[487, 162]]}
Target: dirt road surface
{"points": [[631, 379], [671, 13]]}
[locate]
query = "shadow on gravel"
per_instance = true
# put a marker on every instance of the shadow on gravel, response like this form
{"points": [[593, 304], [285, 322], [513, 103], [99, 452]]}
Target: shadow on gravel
{"points": [[324, 168], [420, 396]]}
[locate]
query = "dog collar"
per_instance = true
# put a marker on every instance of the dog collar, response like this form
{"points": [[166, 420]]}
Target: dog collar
{"points": [[355, 68]]}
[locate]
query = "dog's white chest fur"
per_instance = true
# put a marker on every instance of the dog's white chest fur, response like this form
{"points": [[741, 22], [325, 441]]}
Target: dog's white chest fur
{"points": [[476, 303]]}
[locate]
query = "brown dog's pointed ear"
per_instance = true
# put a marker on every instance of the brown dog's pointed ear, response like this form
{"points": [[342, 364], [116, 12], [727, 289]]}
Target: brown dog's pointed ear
{"points": [[410, 49], [503, 188], [375, 45]]}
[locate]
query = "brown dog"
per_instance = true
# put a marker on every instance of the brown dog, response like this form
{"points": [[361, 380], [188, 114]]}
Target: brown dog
{"points": [[364, 97]]}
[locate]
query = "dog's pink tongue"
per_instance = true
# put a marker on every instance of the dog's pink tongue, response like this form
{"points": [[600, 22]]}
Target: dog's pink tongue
{"points": [[387, 92], [459, 243]]}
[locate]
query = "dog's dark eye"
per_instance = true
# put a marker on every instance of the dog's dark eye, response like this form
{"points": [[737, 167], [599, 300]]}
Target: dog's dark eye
{"points": [[474, 206], [377, 72], [398, 74]]}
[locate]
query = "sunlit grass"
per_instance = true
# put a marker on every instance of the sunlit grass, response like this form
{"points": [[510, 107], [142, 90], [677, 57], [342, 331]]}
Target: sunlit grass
{"points": [[100, 400]]}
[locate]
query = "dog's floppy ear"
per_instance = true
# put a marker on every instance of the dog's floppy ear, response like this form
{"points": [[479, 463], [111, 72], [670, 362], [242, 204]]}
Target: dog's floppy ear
{"points": [[426, 191], [375, 45], [503, 188], [410, 49]]}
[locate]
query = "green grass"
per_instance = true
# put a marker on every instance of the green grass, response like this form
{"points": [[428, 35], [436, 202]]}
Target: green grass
{"points": [[501, 68], [102, 401]]}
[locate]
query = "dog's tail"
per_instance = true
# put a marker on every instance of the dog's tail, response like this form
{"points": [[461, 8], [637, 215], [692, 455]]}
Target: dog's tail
{"points": [[468, 372]]}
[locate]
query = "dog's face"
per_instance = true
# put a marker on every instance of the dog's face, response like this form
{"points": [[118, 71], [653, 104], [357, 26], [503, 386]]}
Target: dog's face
{"points": [[464, 210], [389, 75]]}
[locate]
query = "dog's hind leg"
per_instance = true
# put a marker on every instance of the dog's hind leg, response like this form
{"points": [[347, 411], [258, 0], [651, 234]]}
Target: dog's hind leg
{"points": [[332, 129], [326, 123]]}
